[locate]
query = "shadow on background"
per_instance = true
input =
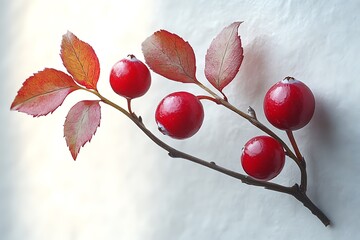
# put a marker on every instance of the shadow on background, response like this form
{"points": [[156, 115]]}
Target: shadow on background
{"points": [[8, 154]]}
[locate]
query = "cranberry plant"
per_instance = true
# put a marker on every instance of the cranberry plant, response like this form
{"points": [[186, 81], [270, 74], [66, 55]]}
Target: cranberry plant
{"points": [[288, 105]]}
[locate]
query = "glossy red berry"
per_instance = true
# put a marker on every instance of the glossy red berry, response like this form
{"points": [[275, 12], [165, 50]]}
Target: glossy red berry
{"points": [[289, 104], [179, 115], [263, 158], [130, 77]]}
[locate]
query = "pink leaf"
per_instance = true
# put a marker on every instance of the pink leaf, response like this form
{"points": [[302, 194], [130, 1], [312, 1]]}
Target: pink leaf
{"points": [[43, 92], [224, 57], [169, 55], [80, 125], [80, 60]]}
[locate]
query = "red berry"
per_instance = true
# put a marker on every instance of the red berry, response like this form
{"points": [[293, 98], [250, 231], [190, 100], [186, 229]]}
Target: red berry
{"points": [[263, 158], [179, 115], [130, 78], [289, 104]]}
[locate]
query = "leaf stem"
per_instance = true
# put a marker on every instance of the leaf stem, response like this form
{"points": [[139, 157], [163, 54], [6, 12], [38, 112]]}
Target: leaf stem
{"points": [[224, 96]]}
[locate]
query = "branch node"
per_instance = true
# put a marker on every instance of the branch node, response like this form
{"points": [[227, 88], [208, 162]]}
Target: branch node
{"points": [[173, 155]]}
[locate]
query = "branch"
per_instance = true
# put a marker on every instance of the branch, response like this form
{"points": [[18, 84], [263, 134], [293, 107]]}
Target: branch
{"points": [[300, 195], [251, 117], [295, 190]]}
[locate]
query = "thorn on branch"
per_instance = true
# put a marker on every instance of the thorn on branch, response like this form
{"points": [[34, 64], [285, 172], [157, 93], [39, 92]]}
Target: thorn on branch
{"points": [[251, 112]]}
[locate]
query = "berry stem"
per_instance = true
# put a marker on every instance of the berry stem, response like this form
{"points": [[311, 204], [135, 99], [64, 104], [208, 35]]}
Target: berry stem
{"points": [[129, 105], [204, 97], [294, 144], [300, 159], [295, 190]]}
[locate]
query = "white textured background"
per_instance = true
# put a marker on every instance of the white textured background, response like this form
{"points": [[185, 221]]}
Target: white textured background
{"points": [[125, 187]]}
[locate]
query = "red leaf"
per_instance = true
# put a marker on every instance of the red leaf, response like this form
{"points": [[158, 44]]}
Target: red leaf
{"points": [[170, 56], [80, 125], [224, 57], [80, 60], [43, 92]]}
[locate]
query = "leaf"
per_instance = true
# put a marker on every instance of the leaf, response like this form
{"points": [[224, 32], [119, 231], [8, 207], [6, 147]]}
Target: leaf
{"points": [[80, 60], [170, 56], [224, 57], [43, 92], [80, 125]]}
